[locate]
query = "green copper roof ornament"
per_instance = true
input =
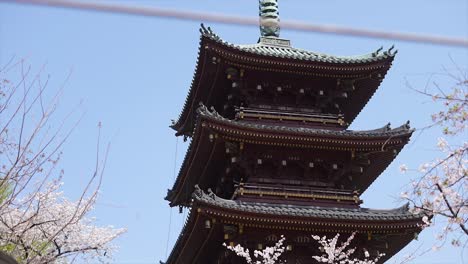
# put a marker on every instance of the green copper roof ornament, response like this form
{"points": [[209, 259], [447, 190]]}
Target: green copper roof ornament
{"points": [[269, 18]]}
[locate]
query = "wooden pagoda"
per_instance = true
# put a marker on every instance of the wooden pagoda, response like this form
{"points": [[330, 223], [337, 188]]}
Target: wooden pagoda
{"points": [[271, 155]]}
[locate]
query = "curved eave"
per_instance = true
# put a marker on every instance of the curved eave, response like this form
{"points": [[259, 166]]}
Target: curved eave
{"points": [[203, 67], [301, 57], [382, 146], [366, 70], [367, 73], [398, 231], [361, 219], [195, 240], [318, 224], [365, 89], [255, 61], [302, 136], [181, 190]]}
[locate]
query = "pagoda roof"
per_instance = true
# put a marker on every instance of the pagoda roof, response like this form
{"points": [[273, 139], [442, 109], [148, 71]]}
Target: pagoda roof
{"points": [[382, 144], [361, 215], [383, 132], [280, 48], [396, 225], [214, 53]]}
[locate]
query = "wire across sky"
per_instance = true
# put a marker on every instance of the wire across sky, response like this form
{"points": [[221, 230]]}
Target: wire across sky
{"points": [[244, 21]]}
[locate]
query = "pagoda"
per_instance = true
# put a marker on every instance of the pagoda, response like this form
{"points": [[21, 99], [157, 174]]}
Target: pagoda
{"points": [[270, 153]]}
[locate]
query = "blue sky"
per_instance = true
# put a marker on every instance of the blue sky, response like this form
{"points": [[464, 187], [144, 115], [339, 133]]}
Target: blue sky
{"points": [[133, 74]]}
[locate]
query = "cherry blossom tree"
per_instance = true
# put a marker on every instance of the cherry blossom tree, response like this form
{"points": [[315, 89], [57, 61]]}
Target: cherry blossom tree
{"points": [[440, 188], [342, 254], [270, 255], [38, 224], [332, 253]]}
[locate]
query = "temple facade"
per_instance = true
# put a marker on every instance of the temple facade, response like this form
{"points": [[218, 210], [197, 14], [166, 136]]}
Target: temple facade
{"points": [[270, 153]]}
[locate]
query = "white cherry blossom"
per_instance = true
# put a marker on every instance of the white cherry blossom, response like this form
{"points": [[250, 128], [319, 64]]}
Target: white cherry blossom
{"points": [[38, 224]]}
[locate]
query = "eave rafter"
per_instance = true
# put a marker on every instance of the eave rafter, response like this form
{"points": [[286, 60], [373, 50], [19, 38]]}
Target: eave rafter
{"points": [[258, 133], [380, 145], [365, 72], [306, 218], [211, 217]]}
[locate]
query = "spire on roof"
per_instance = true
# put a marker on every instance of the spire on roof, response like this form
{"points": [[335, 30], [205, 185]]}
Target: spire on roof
{"points": [[269, 18]]}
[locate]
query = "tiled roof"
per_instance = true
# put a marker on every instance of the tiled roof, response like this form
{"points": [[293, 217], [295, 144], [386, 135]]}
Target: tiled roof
{"points": [[342, 67], [284, 51], [365, 214], [385, 135], [385, 131]]}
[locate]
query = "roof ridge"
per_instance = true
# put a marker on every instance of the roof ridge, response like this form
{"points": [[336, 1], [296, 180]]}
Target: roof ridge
{"points": [[211, 113], [212, 199], [257, 48]]}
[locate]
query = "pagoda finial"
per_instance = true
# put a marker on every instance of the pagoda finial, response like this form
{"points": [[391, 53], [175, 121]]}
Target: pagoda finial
{"points": [[269, 18]]}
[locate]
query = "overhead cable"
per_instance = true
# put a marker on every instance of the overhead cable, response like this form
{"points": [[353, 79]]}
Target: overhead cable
{"points": [[246, 21]]}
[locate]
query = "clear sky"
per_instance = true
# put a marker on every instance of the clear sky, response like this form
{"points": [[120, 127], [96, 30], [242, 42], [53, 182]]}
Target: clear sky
{"points": [[133, 74]]}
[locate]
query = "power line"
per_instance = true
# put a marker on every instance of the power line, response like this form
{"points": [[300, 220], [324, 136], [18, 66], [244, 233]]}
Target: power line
{"points": [[246, 21]]}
